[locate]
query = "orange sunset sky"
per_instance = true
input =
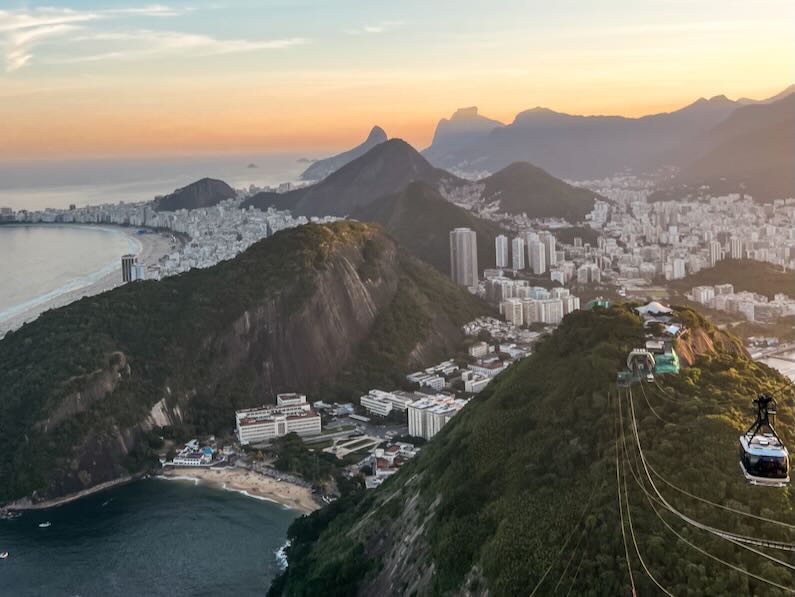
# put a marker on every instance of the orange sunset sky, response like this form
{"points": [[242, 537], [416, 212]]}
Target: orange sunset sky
{"points": [[119, 78]]}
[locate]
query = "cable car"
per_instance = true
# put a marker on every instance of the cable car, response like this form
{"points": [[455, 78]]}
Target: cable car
{"points": [[641, 363], [764, 459]]}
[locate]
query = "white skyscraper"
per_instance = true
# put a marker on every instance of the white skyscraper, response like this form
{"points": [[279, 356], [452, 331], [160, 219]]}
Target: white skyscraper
{"points": [[549, 241], [715, 252], [517, 250], [537, 253], [736, 248], [501, 245], [679, 269], [464, 257]]}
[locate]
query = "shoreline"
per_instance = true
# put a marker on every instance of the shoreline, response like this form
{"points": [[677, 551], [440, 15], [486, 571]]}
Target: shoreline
{"points": [[248, 483], [26, 505], [151, 248]]}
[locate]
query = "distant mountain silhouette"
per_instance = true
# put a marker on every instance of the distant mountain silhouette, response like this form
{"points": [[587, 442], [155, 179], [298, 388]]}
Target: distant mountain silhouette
{"points": [[420, 219], [202, 193], [322, 168], [463, 128], [524, 188], [581, 147], [752, 150], [387, 168]]}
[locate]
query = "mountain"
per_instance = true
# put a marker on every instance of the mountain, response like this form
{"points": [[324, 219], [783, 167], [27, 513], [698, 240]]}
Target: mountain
{"points": [[752, 150], [780, 95], [524, 188], [534, 488], [581, 147], [202, 193], [420, 219], [322, 168], [86, 390], [463, 128], [387, 168]]}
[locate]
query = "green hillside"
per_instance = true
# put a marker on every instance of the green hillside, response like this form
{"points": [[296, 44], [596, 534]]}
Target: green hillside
{"points": [[524, 188], [420, 219], [519, 494], [744, 274], [314, 309]]}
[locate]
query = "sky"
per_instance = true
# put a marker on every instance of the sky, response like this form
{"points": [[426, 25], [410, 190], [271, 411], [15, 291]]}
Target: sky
{"points": [[118, 78]]}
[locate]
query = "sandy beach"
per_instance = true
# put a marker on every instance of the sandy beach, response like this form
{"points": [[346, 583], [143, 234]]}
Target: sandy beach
{"points": [[152, 247], [253, 484]]}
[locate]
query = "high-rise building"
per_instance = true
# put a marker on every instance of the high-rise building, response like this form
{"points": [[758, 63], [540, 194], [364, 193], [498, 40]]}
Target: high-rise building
{"points": [[736, 245], [715, 252], [517, 253], [127, 262], [550, 247], [537, 253], [678, 268], [464, 257], [501, 246]]}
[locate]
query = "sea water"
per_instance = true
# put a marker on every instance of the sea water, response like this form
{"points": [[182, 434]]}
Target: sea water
{"points": [[151, 537]]}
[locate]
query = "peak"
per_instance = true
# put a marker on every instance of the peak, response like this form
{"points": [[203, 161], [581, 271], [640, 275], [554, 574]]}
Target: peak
{"points": [[463, 113], [377, 134]]}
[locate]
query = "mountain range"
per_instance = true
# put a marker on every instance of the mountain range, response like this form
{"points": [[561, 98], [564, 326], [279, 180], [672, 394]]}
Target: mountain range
{"points": [[202, 193], [322, 168], [83, 387], [390, 166], [580, 147]]}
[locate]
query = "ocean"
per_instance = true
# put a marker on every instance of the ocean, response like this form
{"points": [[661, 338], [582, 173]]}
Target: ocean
{"points": [[151, 537], [41, 184], [38, 263]]}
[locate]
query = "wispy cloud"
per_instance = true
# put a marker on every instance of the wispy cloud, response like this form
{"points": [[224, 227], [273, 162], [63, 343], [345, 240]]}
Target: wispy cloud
{"points": [[380, 27], [74, 36]]}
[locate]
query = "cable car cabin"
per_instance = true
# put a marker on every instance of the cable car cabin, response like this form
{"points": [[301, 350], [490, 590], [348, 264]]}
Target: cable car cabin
{"points": [[641, 363], [763, 456], [764, 460], [624, 378]]}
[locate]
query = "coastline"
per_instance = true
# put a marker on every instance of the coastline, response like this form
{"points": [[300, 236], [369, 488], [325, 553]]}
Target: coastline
{"points": [[26, 504], [246, 482], [150, 249]]}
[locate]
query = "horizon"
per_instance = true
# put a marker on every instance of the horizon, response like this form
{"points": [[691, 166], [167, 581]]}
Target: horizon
{"points": [[131, 79]]}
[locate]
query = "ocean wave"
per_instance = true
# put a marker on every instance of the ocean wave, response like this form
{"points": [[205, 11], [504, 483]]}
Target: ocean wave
{"points": [[133, 246], [281, 556]]}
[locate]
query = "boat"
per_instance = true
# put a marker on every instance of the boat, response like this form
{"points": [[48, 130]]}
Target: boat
{"points": [[44, 525], [3, 555]]}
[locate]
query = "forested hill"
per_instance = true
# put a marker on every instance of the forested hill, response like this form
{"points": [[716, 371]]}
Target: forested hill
{"points": [[519, 494], [85, 388]]}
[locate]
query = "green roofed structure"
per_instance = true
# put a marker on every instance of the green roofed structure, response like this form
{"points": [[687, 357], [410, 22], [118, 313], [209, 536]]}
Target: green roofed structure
{"points": [[600, 302]]}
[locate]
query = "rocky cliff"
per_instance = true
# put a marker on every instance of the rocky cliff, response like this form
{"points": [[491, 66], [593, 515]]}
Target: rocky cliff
{"points": [[82, 387]]}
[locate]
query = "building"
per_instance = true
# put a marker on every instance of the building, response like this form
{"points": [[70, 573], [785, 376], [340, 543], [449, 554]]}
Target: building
{"points": [[382, 403], [501, 246], [678, 269], [292, 414], [478, 349], [512, 311], [715, 252], [464, 257], [550, 247], [192, 459], [428, 415], [736, 246], [537, 252], [517, 252], [127, 263]]}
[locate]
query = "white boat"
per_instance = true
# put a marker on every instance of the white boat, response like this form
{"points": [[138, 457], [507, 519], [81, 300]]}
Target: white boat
{"points": [[44, 525], [3, 555]]}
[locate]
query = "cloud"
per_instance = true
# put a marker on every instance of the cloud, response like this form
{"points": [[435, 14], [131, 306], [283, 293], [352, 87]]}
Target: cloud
{"points": [[136, 44], [24, 31], [380, 27]]}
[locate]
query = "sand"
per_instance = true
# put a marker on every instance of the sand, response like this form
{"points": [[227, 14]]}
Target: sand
{"points": [[253, 484], [153, 247]]}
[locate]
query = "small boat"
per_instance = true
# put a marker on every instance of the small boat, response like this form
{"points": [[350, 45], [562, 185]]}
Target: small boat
{"points": [[44, 525], [4, 555]]}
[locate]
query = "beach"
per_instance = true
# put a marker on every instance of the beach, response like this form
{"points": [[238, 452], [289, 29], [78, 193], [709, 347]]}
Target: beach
{"points": [[151, 247], [250, 483]]}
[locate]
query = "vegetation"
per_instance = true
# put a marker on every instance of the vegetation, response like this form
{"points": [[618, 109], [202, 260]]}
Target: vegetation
{"points": [[743, 274], [82, 375], [519, 489]]}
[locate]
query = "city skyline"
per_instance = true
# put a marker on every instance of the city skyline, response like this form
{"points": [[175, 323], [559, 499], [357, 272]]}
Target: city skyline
{"points": [[128, 78]]}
